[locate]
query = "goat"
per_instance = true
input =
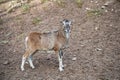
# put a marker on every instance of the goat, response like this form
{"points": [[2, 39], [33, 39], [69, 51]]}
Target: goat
{"points": [[56, 40]]}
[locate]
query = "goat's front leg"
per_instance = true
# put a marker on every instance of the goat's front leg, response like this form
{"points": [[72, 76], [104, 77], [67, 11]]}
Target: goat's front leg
{"points": [[60, 56]]}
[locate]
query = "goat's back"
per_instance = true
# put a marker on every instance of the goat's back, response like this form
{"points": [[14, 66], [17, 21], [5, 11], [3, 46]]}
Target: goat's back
{"points": [[41, 41]]}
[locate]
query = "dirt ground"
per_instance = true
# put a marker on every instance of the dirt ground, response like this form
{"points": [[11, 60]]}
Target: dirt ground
{"points": [[94, 46]]}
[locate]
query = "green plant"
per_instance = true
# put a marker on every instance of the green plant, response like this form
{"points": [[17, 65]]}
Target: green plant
{"points": [[79, 3], [60, 3], [2, 1], [36, 20], [20, 36], [4, 42], [1, 21], [25, 8], [94, 12], [1, 27], [43, 1]]}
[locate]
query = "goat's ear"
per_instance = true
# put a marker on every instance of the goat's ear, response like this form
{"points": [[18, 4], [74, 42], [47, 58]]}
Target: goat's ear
{"points": [[62, 22], [70, 22]]}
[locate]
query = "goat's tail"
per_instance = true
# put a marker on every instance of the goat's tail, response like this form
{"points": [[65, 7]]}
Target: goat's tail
{"points": [[26, 40]]}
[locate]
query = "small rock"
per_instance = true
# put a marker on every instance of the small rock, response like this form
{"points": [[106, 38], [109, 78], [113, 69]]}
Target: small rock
{"points": [[81, 45], [37, 61], [26, 62], [88, 8], [106, 11], [103, 7], [112, 9], [74, 58], [6, 62], [111, 25], [96, 28], [106, 4], [96, 2], [91, 1], [98, 49], [65, 65], [26, 75], [74, 55]]}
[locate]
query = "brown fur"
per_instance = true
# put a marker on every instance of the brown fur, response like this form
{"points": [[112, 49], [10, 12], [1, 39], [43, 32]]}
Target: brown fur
{"points": [[45, 41]]}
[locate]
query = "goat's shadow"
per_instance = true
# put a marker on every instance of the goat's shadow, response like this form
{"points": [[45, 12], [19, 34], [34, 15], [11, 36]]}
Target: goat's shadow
{"points": [[43, 61]]}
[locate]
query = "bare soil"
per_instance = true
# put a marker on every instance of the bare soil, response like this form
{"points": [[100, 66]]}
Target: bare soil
{"points": [[94, 46]]}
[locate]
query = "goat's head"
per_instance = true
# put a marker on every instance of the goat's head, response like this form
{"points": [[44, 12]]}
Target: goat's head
{"points": [[66, 25]]}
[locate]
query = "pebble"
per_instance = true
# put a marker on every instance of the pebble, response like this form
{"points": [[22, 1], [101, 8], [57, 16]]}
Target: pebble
{"points": [[98, 49], [108, 2], [65, 65], [112, 9], [106, 11], [88, 8], [6, 62], [103, 7], [96, 2], [81, 45], [96, 28], [26, 75], [111, 25], [26, 62], [74, 58], [74, 55], [91, 1]]}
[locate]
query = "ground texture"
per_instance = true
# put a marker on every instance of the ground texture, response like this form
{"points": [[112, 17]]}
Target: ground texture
{"points": [[94, 48]]}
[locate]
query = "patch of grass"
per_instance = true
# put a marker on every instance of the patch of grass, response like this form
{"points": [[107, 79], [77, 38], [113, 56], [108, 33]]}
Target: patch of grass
{"points": [[25, 8], [8, 34], [1, 21], [60, 2], [18, 18], [94, 12], [4, 42], [36, 20], [79, 3], [1, 27], [43, 1], [103, 79], [3, 1], [20, 36]]}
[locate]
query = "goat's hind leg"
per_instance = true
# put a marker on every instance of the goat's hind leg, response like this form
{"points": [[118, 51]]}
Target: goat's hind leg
{"points": [[24, 59], [28, 54], [30, 61]]}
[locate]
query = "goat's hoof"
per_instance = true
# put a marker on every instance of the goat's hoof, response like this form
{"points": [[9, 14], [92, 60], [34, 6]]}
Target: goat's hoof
{"points": [[33, 67], [63, 66], [22, 69], [61, 69]]}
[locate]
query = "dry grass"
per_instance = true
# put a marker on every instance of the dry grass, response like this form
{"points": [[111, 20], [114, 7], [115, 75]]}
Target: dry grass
{"points": [[1, 21], [94, 12], [25, 8], [79, 3], [61, 3], [36, 20]]}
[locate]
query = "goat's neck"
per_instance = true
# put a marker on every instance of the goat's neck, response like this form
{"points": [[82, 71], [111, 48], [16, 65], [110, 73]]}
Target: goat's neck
{"points": [[62, 34]]}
